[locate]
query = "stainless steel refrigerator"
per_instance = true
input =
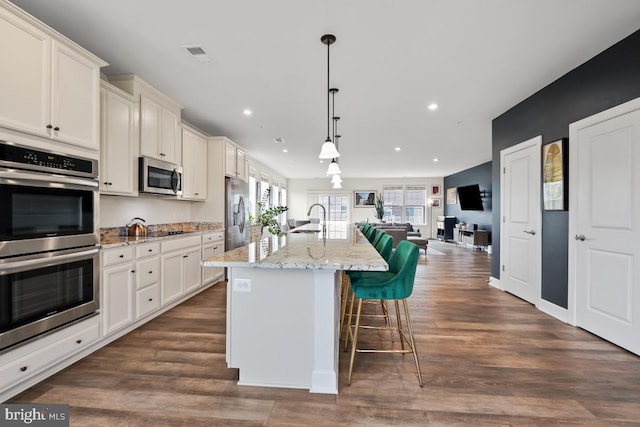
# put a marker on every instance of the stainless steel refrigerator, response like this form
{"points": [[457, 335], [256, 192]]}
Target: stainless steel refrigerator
{"points": [[237, 213]]}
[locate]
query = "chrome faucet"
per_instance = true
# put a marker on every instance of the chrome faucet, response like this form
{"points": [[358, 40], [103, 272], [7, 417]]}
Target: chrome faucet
{"points": [[324, 215]]}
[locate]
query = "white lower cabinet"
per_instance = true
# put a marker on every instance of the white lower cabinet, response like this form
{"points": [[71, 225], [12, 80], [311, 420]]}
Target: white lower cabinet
{"points": [[34, 358], [147, 278], [147, 300], [212, 245], [180, 267], [118, 281]]}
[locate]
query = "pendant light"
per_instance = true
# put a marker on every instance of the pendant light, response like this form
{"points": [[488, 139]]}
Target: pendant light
{"points": [[337, 185], [329, 150], [336, 178]]}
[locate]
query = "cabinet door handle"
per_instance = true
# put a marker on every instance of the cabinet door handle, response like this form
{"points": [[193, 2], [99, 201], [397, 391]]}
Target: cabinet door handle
{"points": [[49, 126], [532, 232], [56, 128], [24, 368], [150, 250], [150, 299], [133, 271], [78, 341], [120, 256], [150, 272], [185, 256]]}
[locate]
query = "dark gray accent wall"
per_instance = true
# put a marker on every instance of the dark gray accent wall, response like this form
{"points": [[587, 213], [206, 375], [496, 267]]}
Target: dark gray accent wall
{"points": [[609, 79], [480, 175]]}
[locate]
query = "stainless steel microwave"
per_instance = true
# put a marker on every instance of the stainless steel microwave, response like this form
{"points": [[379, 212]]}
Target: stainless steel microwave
{"points": [[158, 177]]}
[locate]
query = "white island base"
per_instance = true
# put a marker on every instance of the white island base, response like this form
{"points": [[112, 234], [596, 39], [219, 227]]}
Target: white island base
{"points": [[290, 339]]}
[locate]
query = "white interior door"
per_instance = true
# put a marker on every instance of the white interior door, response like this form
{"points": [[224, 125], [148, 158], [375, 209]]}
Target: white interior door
{"points": [[604, 239], [520, 240]]}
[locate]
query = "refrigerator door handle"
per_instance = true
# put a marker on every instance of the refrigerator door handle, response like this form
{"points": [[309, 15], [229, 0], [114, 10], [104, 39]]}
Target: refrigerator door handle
{"points": [[241, 212]]}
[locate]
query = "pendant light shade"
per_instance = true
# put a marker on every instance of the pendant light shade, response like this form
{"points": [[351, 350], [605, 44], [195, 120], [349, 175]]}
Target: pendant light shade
{"points": [[333, 168], [336, 178], [328, 150], [337, 185]]}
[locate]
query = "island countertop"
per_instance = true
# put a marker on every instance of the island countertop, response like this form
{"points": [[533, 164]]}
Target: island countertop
{"points": [[341, 247]]}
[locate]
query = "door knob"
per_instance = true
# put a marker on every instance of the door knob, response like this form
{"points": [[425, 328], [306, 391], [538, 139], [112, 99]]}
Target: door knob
{"points": [[532, 232], [581, 237]]}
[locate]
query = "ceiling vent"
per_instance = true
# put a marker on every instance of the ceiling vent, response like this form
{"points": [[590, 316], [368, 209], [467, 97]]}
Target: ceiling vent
{"points": [[278, 140], [198, 53]]}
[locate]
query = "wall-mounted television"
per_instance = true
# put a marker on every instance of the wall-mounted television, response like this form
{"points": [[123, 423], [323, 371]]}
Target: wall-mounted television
{"points": [[470, 198]]}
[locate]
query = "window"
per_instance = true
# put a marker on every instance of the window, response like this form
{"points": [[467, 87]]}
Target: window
{"points": [[253, 191], [283, 202], [405, 203], [414, 202], [392, 202], [337, 206]]}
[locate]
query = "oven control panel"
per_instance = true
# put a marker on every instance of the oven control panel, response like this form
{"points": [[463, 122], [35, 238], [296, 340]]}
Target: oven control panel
{"points": [[13, 155]]}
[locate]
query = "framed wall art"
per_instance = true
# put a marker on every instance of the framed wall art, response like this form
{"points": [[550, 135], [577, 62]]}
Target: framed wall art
{"points": [[554, 176], [435, 202], [452, 196], [364, 199], [435, 190]]}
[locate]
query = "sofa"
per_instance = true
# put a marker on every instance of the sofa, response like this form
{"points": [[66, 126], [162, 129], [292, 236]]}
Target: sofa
{"points": [[403, 231]]}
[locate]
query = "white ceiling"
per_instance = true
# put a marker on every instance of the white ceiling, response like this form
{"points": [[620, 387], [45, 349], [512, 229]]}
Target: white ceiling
{"points": [[476, 59]]}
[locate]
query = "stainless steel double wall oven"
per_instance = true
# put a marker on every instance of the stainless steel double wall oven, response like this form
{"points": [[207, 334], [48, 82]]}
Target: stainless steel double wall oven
{"points": [[49, 259]]}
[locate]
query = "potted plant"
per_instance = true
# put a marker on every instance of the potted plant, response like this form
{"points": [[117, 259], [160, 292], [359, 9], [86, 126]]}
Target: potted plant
{"points": [[379, 207], [268, 215]]}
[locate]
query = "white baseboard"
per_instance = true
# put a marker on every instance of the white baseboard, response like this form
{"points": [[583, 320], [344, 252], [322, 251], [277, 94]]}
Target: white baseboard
{"points": [[553, 310], [495, 282]]}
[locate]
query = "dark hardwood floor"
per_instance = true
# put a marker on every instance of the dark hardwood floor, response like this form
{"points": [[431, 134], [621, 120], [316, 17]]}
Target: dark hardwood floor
{"points": [[487, 357]]}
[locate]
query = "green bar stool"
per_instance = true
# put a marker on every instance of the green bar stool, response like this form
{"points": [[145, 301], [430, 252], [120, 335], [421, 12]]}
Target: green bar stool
{"points": [[371, 234], [384, 246], [394, 285]]}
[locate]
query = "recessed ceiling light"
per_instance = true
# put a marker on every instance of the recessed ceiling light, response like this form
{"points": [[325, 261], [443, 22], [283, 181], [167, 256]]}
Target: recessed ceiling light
{"points": [[433, 106], [321, 161], [397, 148], [247, 112], [435, 159], [285, 150], [198, 53]]}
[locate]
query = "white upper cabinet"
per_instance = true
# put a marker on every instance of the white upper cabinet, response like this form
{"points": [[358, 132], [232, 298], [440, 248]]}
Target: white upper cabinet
{"points": [[236, 162], [160, 119], [50, 87], [159, 131], [117, 141], [194, 165]]}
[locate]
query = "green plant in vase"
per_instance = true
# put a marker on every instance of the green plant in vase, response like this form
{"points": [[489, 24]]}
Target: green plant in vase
{"points": [[379, 207], [268, 215]]}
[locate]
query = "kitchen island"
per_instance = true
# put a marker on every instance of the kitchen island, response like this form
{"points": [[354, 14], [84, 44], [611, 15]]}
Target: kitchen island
{"points": [[283, 299]]}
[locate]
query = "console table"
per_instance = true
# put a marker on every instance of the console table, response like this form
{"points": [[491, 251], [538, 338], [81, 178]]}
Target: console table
{"points": [[473, 238]]}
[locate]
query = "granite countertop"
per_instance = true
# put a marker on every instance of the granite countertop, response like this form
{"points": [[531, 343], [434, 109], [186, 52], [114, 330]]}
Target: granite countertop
{"points": [[343, 248], [113, 241]]}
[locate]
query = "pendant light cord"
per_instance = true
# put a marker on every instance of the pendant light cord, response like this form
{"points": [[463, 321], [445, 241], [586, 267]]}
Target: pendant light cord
{"points": [[328, 86]]}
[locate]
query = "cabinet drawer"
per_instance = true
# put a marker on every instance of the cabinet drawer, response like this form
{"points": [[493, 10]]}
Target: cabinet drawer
{"points": [[148, 249], [147, 300], [23, 368], [217, 237], [116, 256], [180, 243], [147, 272]]}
